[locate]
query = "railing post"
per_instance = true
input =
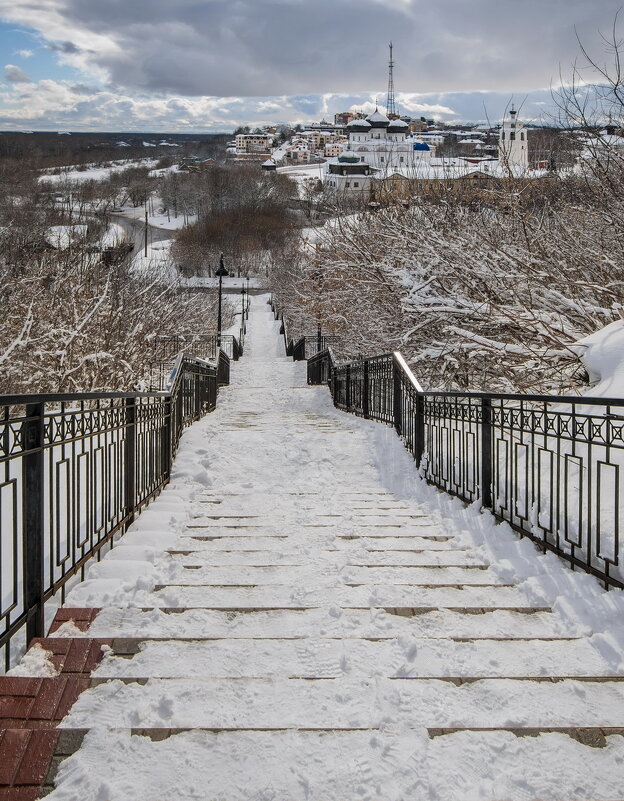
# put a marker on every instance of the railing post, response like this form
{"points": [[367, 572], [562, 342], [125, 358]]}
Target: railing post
{"points": [[397, 405], [486, 452], [197, 393], [419, 433], [130, 460], [166, 443], [348, 387], [32, 500], [365, 403]]}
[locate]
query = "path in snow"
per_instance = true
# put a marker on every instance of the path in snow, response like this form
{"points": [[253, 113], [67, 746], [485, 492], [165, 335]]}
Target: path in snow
{"points": [[295, 619]]}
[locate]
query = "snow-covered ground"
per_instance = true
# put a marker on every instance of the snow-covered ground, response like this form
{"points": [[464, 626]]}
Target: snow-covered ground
{"points": [[94, 173], [157, 218], [315, 623]]}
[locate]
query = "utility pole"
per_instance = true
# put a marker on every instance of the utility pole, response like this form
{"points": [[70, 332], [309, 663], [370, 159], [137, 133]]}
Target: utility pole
{"points": [[146, 232]]}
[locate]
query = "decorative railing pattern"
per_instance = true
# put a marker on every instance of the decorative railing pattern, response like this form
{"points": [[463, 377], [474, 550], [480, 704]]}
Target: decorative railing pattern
{"points": [[201, 346], [74, 471], [307, 345], [552, 467]]}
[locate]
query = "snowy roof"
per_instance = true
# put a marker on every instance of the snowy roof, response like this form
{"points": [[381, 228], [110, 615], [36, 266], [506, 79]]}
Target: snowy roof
{"points": [[364, 123], [398, 124], [377, 119]]}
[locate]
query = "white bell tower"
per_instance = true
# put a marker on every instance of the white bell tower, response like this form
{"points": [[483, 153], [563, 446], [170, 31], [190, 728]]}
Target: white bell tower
{"points": [[513, 150]]}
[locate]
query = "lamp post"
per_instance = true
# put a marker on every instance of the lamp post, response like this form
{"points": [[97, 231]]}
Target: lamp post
{"points": [[220, 272], [247, 309], [243, 309]]}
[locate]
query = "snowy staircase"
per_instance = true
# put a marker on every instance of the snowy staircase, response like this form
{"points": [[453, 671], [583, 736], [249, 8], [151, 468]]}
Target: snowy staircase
{"points": [[280, 625]]}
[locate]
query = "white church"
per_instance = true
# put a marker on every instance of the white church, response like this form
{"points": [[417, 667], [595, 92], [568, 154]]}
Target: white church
{"points": [[381, 148]]}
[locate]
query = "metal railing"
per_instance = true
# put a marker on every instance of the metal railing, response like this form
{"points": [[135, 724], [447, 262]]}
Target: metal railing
{"points": [[552, 467], [75, 470], [279, 315], [307, 345], [311, 344], [201, 346]]}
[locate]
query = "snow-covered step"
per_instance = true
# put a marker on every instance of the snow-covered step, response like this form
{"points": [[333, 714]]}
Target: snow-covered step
{"points": [[329, 658], [348, 703], [493, 597], [394, 764], [327, 622], [324, 575], [284, 541], [345, 558]]}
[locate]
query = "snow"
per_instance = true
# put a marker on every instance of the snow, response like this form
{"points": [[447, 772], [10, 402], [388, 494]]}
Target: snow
{"points": [[35, 662], [114, 236], [157, 263], [63, 236], [602, 354], [158, 219], [95, 173], [316, 614]]}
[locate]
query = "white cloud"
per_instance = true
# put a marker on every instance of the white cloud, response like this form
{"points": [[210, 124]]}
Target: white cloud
{"points": [[25, 53], [273, 47], [14, 74], [218, 63]]}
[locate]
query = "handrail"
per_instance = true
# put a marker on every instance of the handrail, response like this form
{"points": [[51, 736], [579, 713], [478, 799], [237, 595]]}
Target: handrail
{"points": [[75, 470], [551, 466], [279, 315]]}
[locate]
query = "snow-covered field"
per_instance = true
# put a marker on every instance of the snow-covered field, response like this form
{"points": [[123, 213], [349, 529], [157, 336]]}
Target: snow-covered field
{"points": [[94, 173], [314, 623]]}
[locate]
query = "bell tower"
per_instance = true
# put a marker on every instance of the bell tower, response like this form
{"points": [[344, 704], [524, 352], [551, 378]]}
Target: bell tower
{"points": [[513, 150]]}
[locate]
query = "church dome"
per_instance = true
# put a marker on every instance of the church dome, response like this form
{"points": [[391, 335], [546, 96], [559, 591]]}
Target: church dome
{"points": [[400, 126], [348, 157], [422, 146], [358, 126], [378, 120]]}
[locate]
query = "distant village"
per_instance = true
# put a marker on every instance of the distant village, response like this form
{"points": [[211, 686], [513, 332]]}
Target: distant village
{"points": [[384, 152]]}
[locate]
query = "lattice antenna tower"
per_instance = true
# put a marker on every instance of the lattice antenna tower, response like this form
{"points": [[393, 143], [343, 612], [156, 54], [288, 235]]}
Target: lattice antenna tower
{"points": [[391, 108]]}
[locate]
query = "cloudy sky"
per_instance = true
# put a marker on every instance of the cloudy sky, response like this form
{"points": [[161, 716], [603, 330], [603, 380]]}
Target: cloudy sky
{"points": [[210, 65]]}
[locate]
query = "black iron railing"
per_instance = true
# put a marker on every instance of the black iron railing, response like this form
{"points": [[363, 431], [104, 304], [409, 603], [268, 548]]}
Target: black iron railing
{"points": [[552, 467], [201, 346], [306, 346], [74, 471], [311, 344], [279, 315]]}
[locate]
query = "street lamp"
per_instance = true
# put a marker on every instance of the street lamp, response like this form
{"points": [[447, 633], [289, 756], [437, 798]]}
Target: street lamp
{"points": [[220, 272], [243, 309]]}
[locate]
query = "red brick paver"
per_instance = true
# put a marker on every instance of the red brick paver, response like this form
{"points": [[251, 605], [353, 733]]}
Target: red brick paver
{"points": [[31, 708], [80, 617]]}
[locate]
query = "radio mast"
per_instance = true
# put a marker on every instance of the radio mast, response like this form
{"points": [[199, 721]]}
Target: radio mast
{"points": [[391, 109]]}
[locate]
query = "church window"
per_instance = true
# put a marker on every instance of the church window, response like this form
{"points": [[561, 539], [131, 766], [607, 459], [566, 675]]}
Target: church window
{"points": [[503, 136], [356, 183], [512, 137], [522, 136]]}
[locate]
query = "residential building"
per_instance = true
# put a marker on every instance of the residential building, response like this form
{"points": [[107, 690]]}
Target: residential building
{"points": [[253, 143]]}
